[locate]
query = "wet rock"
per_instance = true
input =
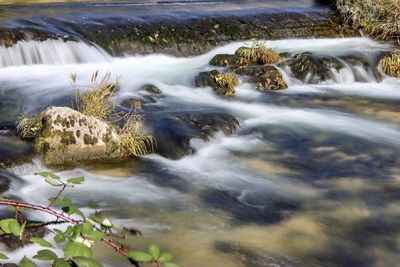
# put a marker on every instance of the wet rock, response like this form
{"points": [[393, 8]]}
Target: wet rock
{"points": [[222, 83], [151, 89], [174, 133], [313, 69], [67, 135], [390, 64], [265, 77], [224, 60], [13, 150]]}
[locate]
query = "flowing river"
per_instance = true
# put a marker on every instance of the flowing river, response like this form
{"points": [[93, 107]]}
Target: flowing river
{"points": [[311, 176]]}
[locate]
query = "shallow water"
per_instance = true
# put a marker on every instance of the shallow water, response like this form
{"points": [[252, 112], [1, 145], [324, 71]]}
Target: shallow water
{"points": [[310, 178]]}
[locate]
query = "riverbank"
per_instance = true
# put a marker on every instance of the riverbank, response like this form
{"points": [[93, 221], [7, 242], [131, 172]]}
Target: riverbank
{"points": [[379, 19]]}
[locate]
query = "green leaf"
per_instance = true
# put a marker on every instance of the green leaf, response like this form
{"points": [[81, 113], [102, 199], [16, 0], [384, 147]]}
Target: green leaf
{"points": [[170, 264], [107, 223], [52, 181], [4, 225], [22, 233], [86, 262], [140, 256], [87, 228], [25, 262], [60, 263], [165, 257], [74, 249], [3, 256], [45, 255], [41, 242], [96, 235], [59, 238], [76, 180], [154, 251], [14, 227]]}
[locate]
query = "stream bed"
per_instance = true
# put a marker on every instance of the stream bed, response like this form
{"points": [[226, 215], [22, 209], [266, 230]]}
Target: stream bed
{"points": [[311, 177]]}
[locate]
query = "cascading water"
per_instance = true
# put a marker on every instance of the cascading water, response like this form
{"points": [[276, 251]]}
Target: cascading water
{"points": [[309, 178], [50, 52]]}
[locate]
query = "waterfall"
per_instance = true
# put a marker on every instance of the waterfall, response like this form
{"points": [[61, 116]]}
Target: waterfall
{"points": [[50, 52]]}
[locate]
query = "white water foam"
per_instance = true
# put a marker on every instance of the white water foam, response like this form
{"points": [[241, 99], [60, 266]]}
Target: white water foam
{"points": [[50, 52]]}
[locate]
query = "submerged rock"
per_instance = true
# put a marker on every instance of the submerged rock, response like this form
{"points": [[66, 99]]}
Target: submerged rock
{"points": [[391, 64], [66, 135], [222, 83], [150, 88], [265, 77]]}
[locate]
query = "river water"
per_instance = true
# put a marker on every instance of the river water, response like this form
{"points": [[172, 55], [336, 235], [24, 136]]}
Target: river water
{"points": [[311, 177]]}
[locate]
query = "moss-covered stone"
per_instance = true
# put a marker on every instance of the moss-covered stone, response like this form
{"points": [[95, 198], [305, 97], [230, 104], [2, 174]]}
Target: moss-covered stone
{"points": [[224, 60], [222, 83], [265, 77], [313, 69]]}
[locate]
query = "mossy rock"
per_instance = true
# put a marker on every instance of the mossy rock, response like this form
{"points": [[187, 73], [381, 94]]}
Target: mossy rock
{"points": [[224, 60], [390, 64], [68, 136], [222, 83], [313, 69], [265, 77], [152, 89]]}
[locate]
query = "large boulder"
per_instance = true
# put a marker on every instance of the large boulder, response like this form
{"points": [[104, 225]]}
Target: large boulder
{"points": [[66, 135], [266, 77]]}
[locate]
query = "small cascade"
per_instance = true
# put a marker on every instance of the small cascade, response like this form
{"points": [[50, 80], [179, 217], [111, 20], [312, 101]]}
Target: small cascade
{"points": [[50, 52]]}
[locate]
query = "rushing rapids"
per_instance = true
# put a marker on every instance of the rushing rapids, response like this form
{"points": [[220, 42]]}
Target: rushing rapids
{"points": [[309, 177]]}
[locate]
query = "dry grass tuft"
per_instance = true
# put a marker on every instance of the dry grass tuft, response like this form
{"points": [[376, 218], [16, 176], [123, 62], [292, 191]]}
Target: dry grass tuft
{"points": [[97, 100], [226, 83], [391, 64], [258, 53], [377, 18], [135, 141]]}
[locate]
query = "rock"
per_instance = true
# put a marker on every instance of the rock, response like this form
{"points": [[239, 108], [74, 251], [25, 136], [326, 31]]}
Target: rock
{"points": [[390, 64], [265, 77], [13, 150], [174, 132], [151, 89], [222, 83], [312, 69], [224, 60], [67, 135]]}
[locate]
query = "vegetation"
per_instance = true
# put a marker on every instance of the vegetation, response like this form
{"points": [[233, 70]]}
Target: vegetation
{"points": [[76, 241], [134, 140], [226, 83], [97, 100], [391, 64], [258, 53], [377, 18]]}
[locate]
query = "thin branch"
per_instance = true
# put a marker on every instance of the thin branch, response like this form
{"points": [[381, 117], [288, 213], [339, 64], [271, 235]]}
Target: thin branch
{"points": [[57, 196]]}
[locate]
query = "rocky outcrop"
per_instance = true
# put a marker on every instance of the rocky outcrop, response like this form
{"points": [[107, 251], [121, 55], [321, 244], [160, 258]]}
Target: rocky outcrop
{"points": [[66, 135], [265, 77]]}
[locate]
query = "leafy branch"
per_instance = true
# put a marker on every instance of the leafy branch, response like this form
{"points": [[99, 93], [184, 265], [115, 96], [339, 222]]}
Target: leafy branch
{"points": [[79, 236]]}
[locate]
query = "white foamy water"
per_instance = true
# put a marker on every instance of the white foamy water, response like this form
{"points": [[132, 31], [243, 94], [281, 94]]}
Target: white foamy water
{"points": [[50, 52]]}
